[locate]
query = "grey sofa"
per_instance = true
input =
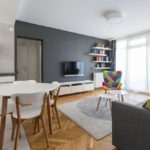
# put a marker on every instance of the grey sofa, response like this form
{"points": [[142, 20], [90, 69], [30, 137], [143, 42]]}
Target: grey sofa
{"points": [[130, 127]]}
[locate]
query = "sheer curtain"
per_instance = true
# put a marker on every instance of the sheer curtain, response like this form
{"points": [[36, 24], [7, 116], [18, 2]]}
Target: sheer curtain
{"points": [[133, 58]]}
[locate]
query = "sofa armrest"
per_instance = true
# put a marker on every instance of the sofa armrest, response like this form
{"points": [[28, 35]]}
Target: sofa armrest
{"points": [[130, 127]]}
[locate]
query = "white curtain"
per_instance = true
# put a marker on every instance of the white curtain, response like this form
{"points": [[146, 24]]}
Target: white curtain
{"points": [[133, 59]]}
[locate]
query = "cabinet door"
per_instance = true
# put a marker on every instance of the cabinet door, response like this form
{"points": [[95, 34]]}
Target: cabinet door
{"points": [[98, 79], [64, 90], [88, 86], [76, 88]]}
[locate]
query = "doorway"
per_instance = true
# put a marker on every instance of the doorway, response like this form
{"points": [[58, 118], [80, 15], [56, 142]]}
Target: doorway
{"points": [[29, 59]]}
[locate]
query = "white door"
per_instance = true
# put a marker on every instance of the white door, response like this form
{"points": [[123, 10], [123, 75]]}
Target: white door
{"points": [[28, 59], [22, 67]]}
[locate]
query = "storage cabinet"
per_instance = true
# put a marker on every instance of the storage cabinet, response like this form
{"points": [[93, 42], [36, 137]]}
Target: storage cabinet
{"points": [[64, 90], [88, 87], [98, 79], [7, 79], [76, 87]]}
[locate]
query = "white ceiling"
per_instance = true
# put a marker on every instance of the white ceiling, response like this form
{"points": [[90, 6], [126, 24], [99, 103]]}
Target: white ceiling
{"points": [[87, 16], [8, 11]]}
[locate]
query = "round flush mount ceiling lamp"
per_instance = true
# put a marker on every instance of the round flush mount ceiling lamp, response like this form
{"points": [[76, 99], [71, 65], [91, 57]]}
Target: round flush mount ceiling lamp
{"points": [[114, 17]]}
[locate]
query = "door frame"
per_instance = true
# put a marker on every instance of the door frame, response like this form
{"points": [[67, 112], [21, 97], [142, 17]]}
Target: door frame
{"points": [[15, 56]]}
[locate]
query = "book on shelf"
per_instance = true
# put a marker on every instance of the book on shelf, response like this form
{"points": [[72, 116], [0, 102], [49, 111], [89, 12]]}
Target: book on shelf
{"points": [[97, 51]]}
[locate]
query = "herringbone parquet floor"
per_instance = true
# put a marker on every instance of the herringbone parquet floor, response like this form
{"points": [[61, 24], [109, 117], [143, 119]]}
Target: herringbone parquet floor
{"points": [[70, 136]]}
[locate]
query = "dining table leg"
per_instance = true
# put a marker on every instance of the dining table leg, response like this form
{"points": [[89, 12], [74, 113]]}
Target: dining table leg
{"points": [[3, 120], [49, 115]]}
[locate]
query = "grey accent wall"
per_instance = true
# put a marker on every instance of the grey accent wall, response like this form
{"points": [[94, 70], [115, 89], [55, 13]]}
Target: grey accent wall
{"points": [[59, 46]]}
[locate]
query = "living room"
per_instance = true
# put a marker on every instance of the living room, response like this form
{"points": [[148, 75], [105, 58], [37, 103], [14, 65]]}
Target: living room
{"points": [[88, 60]]}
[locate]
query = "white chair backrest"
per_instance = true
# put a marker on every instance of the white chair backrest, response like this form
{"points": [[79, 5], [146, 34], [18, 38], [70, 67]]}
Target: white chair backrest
{"points": [[56, 84], [24, 82], [35, 99]]}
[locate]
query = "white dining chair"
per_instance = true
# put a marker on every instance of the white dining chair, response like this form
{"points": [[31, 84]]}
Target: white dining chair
{"points": [[52, 103], [53, 97], [34, 111], [24, 82]]}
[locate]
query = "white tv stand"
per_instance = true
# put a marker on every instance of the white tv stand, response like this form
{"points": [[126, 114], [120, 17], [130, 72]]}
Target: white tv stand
{"points": [[76, 87]]}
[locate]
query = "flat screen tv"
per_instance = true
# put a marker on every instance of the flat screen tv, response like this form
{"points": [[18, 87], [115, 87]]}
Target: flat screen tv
{"points": [[74, 68]]}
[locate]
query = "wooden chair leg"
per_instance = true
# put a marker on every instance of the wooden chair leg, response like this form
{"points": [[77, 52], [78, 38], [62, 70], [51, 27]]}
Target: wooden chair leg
{"points": [[55, 107], [98, 103], [49, 116], [13, 128], [17, 135], [38, 125], [33, 120], [3, 121], [45, 131], [53, 112], [35, 124]]}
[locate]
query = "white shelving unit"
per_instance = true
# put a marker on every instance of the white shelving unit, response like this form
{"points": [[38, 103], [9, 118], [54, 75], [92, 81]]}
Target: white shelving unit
{"points": [[101, 68], [102, 57], [102, 61], [103, 48]]}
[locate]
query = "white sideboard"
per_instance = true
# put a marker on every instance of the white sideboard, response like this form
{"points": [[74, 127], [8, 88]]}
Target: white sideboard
{"points": [[76, 87], [98, 79], [7, 79]]}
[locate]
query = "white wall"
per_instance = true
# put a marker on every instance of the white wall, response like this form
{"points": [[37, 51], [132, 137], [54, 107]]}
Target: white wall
{"points": [[6, 49]]}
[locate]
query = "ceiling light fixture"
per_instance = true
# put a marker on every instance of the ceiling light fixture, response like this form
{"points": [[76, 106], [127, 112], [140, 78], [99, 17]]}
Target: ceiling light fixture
{"points": [[114, 17]]}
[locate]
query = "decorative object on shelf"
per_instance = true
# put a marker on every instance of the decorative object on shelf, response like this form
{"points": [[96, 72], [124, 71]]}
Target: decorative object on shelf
{"points": [[102, 65], [107, 58], [100, 44]]}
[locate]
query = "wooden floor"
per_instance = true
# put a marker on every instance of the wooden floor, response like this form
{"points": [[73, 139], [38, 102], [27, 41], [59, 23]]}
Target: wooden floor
{"points": [[70, 136]]}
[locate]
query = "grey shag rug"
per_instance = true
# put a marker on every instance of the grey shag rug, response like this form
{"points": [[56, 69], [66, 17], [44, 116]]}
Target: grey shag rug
{"points": [[83, 113]]}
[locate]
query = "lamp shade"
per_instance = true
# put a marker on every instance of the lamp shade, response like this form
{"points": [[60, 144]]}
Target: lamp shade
{"points": [[114, 17]]}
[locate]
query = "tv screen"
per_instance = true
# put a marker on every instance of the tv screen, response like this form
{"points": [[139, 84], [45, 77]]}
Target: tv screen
{"points": [[74, 68]]}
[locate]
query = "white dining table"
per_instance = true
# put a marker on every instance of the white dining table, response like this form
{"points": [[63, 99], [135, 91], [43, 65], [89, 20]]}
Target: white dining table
{"points": [[7, 90]]}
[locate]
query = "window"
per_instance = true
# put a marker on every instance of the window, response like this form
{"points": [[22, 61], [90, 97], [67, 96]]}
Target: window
{"points": [[132, 57]]}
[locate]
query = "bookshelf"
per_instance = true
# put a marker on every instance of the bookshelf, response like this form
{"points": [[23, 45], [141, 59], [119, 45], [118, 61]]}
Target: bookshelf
{"points": [[101, 58]]}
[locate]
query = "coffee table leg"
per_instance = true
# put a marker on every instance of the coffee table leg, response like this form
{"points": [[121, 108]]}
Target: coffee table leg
{"points": [[110, 103], [122, 98], [119, 97], [3, 121], [98, 103], [106, 102]]}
